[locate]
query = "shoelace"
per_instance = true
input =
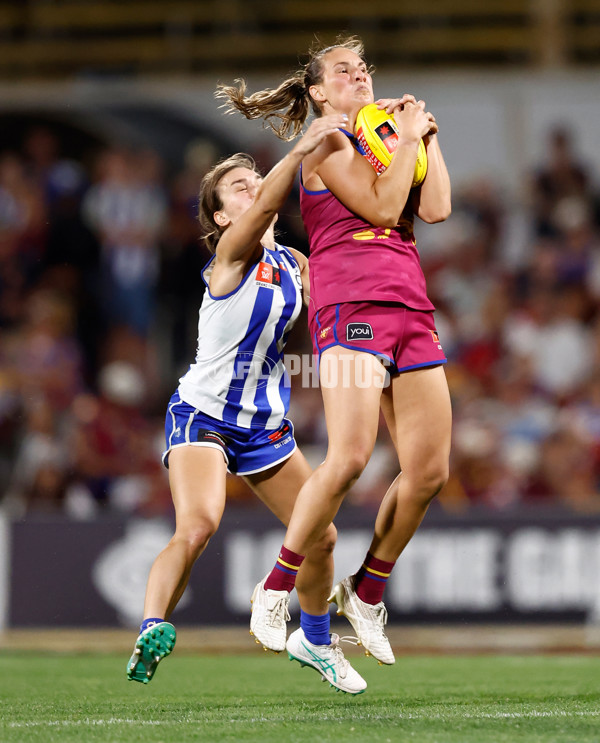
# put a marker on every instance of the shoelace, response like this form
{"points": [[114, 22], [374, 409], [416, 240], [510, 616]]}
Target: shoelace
{"points": [[338, 654], [279, 614], [381, 616]]}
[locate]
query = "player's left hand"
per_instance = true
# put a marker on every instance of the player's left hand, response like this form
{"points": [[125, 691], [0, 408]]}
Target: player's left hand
{"points": [[434, 125], [392, 104]]}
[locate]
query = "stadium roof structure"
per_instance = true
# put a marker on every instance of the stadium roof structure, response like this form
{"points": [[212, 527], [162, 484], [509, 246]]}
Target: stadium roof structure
{"points": [[66, 38]]}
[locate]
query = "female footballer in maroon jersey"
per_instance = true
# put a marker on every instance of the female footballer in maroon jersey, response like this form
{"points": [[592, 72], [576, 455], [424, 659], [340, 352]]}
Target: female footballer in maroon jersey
{"points": [[368, 311]]}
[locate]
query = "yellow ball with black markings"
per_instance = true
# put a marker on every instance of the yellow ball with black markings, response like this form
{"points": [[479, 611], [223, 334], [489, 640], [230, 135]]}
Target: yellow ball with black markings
{"points": [[377, 133]]}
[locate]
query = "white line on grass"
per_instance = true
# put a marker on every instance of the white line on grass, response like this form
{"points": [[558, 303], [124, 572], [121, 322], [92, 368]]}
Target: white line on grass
{"points": [[463, 716]]}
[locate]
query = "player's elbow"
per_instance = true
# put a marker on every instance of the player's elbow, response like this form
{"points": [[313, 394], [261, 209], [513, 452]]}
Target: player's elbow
{"points": [[267, 209], [438, 214], [268, 204], [387, 218]]}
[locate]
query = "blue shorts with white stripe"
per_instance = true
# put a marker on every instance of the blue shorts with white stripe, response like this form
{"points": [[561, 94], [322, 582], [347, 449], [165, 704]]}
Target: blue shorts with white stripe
{"points": [[246, 450]]}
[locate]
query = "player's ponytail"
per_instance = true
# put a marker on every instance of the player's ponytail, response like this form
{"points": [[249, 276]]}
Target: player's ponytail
{"points": [[286, 108]]}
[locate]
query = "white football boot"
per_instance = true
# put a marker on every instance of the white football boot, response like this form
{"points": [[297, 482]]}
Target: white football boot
{"points": [[328, 660], [269, 616], [368, 620]]}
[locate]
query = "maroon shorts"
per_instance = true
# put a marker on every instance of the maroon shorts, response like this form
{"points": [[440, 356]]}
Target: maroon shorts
{"points": [[402, 338]]}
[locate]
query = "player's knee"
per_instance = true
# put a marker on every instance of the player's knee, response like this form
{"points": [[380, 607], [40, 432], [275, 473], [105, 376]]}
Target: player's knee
{"points": [[328, 541], [196, 535], [345, 470], [433, 479]]}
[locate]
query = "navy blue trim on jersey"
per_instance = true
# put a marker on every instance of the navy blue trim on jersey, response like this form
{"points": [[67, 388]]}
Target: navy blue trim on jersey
{"points": [[354, 141], [357, 146], [219, 297], [306, 190], [288, 254]]}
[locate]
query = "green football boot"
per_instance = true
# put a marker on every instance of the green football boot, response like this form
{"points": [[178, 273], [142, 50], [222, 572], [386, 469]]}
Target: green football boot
{"points": [[153, 644]]}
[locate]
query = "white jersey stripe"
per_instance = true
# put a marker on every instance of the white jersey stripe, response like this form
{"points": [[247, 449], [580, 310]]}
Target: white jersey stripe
{"points": [[173, 426], [252, 390]]}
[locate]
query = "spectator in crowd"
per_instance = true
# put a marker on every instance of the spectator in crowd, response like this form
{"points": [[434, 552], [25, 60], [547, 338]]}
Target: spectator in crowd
{"points": [[127, 209]]}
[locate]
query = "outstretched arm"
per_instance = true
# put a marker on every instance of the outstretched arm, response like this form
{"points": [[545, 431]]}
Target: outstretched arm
{"points": [[240, 239]]}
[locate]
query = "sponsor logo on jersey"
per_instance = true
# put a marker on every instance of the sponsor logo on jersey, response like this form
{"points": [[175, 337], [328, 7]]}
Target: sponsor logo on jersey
{"points": [[268, 275], [325, 331], [359, 331]]}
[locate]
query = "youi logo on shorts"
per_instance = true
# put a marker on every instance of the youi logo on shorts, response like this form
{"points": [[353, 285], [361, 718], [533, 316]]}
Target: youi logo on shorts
{"points": [[359, 331]]}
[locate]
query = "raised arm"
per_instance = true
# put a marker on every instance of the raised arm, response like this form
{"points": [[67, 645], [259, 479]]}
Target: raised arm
{"points": [[240, 240]]}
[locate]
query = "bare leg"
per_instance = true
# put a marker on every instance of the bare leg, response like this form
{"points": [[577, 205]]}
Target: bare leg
{"points": [[278, 488], [352, 415], [197, 479], [418, 413]]}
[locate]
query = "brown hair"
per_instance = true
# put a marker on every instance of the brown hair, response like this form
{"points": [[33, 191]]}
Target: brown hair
{"points": [[210, 199], [286, 108]]}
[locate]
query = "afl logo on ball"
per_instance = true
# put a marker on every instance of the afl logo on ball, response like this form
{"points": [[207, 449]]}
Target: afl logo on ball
{"points": [[359, 331]]}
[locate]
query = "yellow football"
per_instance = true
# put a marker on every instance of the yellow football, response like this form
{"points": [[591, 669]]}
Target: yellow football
{"points": [[377, 133]]}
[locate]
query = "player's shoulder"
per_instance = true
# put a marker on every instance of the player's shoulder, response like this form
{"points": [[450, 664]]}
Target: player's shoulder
{"points": [[299, 257], [335, 144]]}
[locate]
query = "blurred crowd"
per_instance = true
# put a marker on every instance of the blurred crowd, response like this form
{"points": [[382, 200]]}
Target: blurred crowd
{"points": [[100, 287]]}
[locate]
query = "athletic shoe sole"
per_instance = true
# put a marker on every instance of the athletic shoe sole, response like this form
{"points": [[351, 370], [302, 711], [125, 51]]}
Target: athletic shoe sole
{"points": [[151, 647]]}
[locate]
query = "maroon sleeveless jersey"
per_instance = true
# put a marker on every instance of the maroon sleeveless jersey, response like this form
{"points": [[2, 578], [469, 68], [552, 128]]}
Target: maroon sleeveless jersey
{"points": [[353, 261]]}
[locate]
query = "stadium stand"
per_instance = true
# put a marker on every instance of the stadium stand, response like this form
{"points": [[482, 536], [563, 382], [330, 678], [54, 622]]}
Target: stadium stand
{"points": [[74, 37]]}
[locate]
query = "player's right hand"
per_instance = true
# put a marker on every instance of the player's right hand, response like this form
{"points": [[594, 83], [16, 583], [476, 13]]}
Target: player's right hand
{"points": [[413, 121], [318, 130]]}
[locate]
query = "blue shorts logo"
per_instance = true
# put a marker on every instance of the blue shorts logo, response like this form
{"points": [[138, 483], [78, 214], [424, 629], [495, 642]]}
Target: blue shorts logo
{"points": [[359, 331]]}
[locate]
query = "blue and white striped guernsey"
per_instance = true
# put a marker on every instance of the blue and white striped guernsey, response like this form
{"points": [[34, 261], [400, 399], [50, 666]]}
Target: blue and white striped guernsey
{"points": [[238, 375]]}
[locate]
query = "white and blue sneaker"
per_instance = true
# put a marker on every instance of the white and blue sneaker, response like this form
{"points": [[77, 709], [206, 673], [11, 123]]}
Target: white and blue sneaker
{"points": [[328, 660]]}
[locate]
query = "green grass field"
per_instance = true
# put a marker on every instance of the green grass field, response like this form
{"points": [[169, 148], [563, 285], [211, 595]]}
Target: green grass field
{"points": [[262, 697]]}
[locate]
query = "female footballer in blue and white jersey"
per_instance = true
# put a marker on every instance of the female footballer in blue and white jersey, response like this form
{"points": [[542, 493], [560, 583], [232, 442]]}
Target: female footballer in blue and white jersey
{"points": [[229, 410]]}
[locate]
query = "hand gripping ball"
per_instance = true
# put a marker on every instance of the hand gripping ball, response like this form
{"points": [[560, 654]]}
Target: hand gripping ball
{"points": [[377, 133]]}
